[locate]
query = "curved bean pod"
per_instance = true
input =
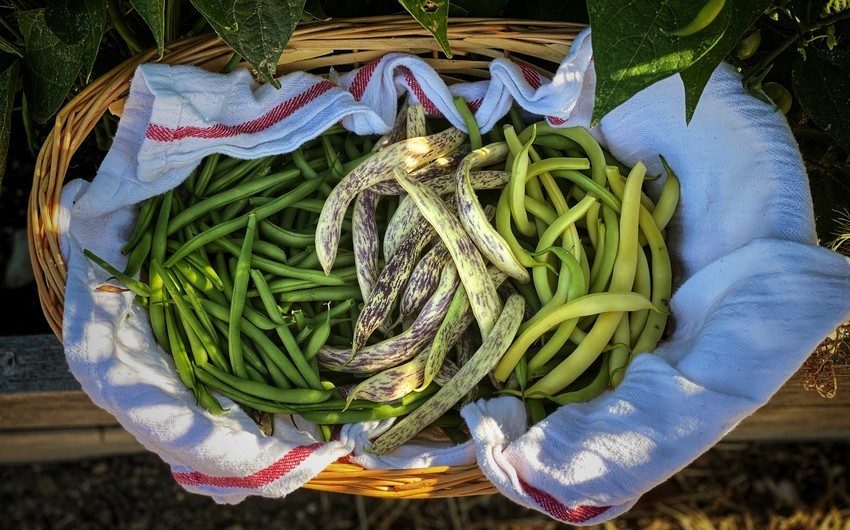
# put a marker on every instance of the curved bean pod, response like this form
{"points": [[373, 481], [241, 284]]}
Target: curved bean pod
{"points": [[408, 155], [484, 299]]}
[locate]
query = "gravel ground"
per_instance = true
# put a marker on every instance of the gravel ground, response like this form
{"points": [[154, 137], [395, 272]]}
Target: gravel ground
{"points": [[735, 485]]}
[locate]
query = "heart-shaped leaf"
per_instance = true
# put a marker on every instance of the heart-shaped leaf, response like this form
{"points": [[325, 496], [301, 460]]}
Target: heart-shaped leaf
{"points": [[633, 46], [264, 28], [433, 15], [153, 13], [50, 67]]}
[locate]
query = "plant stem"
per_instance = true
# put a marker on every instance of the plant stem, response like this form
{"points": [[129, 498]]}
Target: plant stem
{"points": [[117, 19], [801, 31]]}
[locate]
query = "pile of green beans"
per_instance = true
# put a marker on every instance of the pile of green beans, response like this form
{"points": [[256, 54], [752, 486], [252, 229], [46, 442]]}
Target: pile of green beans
{"points": [[265, 287]]}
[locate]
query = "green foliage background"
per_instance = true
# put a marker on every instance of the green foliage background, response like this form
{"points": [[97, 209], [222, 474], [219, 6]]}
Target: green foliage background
{"points": [[51, 49]]}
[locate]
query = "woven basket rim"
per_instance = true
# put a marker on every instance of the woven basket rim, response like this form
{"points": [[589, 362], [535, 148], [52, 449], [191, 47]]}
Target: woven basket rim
{"points": [[315, 45]]}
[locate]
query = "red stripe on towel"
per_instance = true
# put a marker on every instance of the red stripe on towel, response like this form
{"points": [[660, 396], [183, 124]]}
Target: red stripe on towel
{"points": [[362, 78], [274, 472], [557, 509], [161, 133], [416, 88]]}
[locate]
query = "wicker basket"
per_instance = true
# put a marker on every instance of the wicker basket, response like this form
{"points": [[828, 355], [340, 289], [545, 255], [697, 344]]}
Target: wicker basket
{"points": [[316, 47]]}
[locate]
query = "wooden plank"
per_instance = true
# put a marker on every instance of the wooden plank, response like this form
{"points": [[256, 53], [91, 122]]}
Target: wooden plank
{"points": [[17, 447], [45, 416]]}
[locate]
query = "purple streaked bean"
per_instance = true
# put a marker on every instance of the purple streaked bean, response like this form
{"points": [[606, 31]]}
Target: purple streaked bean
{"points": [[400, 348], [423, 280], [483, 297], [390, 284], [485, 358], [407, 155], [415, 124], [364, 229], [491, 244]]}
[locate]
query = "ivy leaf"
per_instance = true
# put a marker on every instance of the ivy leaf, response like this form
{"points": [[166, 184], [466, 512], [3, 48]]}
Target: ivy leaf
{"points": [[78, 22], [50, 67], [633, 47], [265, 27], [822, 85], [743, 15], [153, 13], [8, 87], [219, 13], [433, 15]]}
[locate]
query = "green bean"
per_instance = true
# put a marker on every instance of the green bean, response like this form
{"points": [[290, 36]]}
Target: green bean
{"points": [[232, 210], [195, 303], [207, 400], [517, 186], [228, 227], [311, 261], [139, 253], [178, 350], [158, 248], [283, 332], [553, 141], [241, 397], [204, 176], [593, 389], [263, 343], [351, 150], [188, 273], [302, 164], [199, 354], [334, 312], [472, 129], [136, 286], [334, 162], [609, 257], [188, 316], [317, 339], [288, 395], [256, 358], [227, 179], [237, 299], [285, 237], [143, 222], [303, 334], [281, 269], [582, 137], [405, 406], [321, 294], [264, 248]]}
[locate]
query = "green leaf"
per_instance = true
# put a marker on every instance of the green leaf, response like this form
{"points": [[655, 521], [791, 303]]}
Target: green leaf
{"points": [[633, 49], [219, 13], [433, 15], [695, 77], [50, 67], [822, 85], [8, 87], [9, 47], [78, 22], [836, 6], [153, 13], [265, 27]]}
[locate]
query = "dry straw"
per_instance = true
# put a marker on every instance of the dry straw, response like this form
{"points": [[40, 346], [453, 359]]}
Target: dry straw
{"points": [[315, 47]]}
